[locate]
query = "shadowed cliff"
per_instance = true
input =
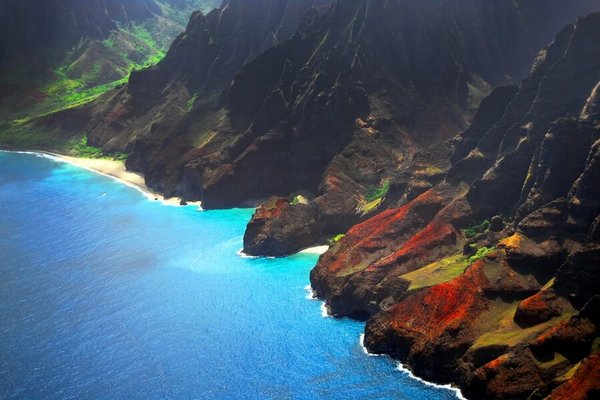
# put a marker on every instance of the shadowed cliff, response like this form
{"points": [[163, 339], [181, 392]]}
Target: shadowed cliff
{"points": [[489, 278]]}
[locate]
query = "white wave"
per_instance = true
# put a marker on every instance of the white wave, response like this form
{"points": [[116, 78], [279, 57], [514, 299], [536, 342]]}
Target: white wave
{"points": [[400, 367], [33, 153], [171, 202], [325, 311], [241, 254], [310, 293], [364, 348]]}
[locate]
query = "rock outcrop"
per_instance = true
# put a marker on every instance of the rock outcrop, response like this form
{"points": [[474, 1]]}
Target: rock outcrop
{"points": [[509, 312]]}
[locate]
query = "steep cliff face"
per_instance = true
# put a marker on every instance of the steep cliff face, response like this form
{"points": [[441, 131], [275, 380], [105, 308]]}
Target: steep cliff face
{"points": [[60, 54], [490, 278], [326, 100], [412, 73], [168, 115]]}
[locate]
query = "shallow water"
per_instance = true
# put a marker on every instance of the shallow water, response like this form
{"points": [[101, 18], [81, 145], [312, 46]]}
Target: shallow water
{"points": [[105, 294]]}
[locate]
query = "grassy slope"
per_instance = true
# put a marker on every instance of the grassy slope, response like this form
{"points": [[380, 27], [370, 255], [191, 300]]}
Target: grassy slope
{"points": [[85, 73]]}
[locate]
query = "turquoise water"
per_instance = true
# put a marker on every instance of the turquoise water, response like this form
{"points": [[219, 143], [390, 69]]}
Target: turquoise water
{"points": [[105, 294]]}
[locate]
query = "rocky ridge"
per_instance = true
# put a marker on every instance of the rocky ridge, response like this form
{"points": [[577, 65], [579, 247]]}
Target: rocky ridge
{"points": [[410, 83], [489, 279], [325, 101]]}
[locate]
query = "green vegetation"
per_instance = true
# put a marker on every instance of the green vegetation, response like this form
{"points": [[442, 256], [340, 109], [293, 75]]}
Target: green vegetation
{"points": [[377, 192], [82, 149], [191, 102], [26, 137], [365, 208], [299, 199], [569, 374], [437, 272], [444, 270], [339, 237], [481, 253], [476, 230], [82, 76], [430, 171], [373, 197], [556, 360], [501, 329], [361, 266], [336, 239]]}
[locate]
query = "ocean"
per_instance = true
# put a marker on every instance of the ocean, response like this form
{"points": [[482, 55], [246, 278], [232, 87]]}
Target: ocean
{"points": [[106, 294]]}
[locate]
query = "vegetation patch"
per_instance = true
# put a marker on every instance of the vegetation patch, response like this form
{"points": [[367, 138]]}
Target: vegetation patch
{"points": [[366, 207], [377, 192], [503, 330], [430, 171], [26, 137], [82, 149], [191, 102], [84, 74], [361, 266], [299, 199], [335, 239], [476, 230], [481, 253], [373, 197], [569, 374], [556, 360], [437, 272]]}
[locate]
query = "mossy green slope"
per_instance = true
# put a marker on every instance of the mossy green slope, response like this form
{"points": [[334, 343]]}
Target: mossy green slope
{"points": [[86, 72]]}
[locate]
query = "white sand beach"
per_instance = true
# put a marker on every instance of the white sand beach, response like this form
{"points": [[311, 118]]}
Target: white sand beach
{"points": [[116, 170]]}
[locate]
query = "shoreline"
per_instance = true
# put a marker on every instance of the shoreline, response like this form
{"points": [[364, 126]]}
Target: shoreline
{"points": [[112, 169], [117, 171], [405, 369]]}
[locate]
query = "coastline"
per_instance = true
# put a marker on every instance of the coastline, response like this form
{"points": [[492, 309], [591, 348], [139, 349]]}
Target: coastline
{"points": [[405, 369], [117, 171], [113, 169]]}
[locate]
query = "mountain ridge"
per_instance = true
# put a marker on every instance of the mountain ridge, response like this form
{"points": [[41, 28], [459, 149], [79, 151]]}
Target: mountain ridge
{"points": [[503, 307]]}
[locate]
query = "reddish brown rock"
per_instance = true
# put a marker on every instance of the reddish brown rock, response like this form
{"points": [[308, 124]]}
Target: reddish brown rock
{"points": [[585, 383], [272, 221], [539, 308], [360, 256], [431, 328]]}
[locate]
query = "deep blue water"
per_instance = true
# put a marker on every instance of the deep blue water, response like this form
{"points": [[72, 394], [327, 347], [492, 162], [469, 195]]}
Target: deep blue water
{"points": [[105, 294]]}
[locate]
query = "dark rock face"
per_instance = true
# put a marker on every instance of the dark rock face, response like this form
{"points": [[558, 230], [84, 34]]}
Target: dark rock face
{"points": [[171, 117], [506, 309], [329, 99], [275, 211], [419, 61]]}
